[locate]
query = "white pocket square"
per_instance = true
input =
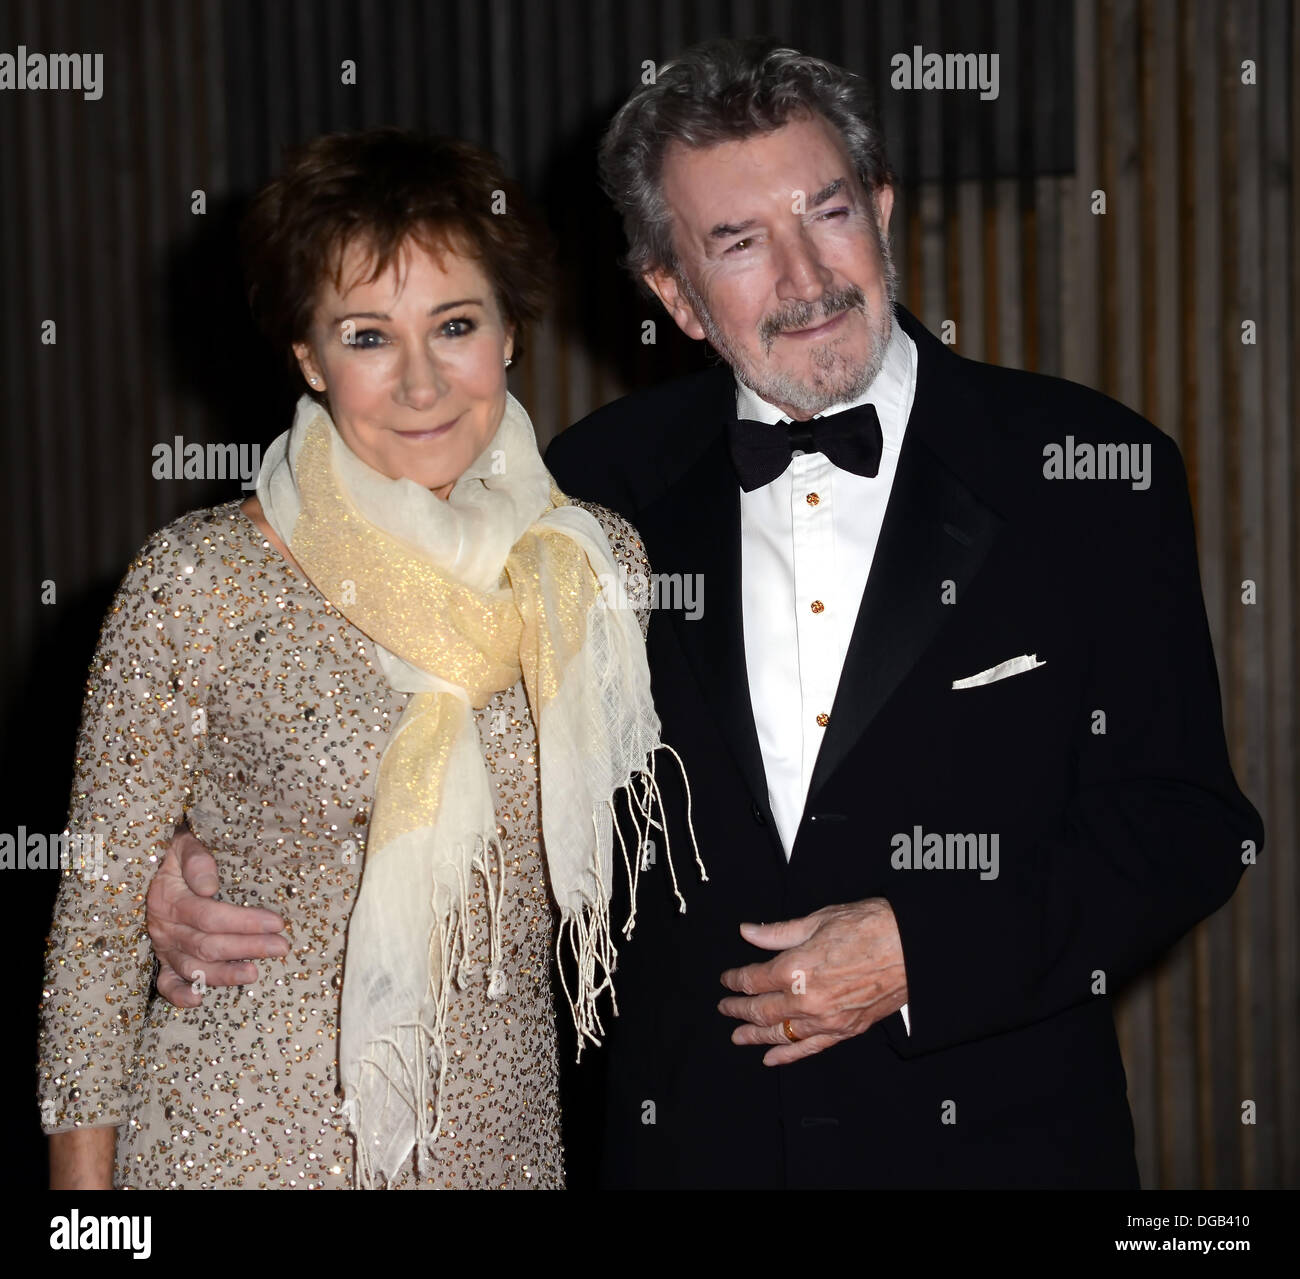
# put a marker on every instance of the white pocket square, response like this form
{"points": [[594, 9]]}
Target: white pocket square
{"points": [[1003, 670]]}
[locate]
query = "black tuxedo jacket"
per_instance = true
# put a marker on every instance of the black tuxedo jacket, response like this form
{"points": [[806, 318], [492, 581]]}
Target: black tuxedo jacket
{"points": [[1103, 772]]}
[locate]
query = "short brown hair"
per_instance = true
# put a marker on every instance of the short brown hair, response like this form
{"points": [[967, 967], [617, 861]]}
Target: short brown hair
{"points": [[381, 188]]}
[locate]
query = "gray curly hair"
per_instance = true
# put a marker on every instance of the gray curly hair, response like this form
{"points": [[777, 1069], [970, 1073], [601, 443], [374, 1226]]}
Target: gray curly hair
{"points": [[724, 91]]}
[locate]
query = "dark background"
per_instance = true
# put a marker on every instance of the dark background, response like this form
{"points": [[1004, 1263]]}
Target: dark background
{"points": [[995, 231]]}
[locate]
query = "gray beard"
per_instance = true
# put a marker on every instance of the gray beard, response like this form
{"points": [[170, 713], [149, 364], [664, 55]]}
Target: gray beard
{"points": [[836, 378]]}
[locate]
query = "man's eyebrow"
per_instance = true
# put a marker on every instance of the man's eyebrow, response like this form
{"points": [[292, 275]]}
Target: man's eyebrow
{"points": [[826, 192], [724, 230], [433, 310]]}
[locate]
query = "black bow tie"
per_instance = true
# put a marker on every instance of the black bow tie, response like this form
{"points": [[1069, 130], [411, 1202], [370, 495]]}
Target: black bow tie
{"points": [[761, 451]]}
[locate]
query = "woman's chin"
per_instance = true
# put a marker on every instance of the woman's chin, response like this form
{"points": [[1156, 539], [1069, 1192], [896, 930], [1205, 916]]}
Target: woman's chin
{"points": [[441, 485], [435, 478]]}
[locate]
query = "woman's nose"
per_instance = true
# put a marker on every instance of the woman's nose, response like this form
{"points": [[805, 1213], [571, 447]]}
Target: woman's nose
{"points": [[421, 383]]}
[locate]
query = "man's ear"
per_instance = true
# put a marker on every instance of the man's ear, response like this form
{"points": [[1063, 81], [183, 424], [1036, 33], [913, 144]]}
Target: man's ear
{"points": [[884, 198], [664, 285]]}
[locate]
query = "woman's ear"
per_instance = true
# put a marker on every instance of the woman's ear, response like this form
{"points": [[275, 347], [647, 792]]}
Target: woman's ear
{"points": [[307, 363]]}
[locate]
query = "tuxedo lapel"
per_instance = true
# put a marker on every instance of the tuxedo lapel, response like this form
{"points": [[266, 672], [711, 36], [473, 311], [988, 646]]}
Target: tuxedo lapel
{"points": [[934, 533], [694, 528], [938, 529]]}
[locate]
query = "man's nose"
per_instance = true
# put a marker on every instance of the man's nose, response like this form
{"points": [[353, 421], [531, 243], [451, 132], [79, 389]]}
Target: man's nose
{"points": [[801, 273]]}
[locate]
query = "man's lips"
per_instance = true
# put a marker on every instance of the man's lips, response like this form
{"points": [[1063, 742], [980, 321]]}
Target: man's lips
{"points": [[432, 434], [818, 331]]}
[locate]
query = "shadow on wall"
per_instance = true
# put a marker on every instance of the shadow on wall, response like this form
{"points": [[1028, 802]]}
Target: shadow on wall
{"points": [[214, 352], [599, 308], [36, 761]]}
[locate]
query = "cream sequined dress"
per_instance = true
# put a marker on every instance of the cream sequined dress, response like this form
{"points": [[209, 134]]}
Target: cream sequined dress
{"points": [[226, 689]]}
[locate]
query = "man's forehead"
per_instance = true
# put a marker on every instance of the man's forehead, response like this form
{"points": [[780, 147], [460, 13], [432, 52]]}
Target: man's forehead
{"points": [[706, 182]]}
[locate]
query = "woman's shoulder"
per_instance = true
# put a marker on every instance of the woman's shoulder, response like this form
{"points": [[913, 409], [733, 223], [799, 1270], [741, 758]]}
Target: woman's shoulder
{"points": [[196, 547], [629, 554], [624, 540]]}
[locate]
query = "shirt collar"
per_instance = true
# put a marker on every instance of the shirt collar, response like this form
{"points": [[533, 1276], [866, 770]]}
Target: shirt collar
{"points": [[891, 392]]}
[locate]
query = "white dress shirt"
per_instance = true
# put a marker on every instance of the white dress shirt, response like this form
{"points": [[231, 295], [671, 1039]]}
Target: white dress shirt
{"points": [[807, 542]]}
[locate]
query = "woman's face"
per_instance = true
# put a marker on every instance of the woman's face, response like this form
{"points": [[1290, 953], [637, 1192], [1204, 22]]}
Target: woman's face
{"points": [[413, 363]]}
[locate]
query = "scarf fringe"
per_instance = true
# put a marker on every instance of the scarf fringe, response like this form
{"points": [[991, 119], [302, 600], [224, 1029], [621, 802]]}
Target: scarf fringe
{"points": [[588, 931], [449, 957]]}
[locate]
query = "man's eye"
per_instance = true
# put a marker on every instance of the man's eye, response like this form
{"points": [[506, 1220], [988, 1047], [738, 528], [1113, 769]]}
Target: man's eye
{"points": [[741, 244], [835, 213]]}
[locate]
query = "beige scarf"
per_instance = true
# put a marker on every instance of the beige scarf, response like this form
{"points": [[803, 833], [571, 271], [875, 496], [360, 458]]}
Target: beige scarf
{"points": [[461, 598]]}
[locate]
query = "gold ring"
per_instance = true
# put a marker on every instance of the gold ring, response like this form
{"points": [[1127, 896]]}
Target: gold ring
{"points": [[789, 1033]]}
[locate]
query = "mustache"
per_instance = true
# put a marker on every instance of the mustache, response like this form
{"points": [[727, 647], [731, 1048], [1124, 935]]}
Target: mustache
{"points": [[802, 315]]}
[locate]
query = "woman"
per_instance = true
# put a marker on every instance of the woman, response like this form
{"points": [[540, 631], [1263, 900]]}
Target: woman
{"points": [[358, 687]]}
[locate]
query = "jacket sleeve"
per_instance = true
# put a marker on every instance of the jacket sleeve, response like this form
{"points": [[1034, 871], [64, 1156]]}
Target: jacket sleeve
{"points": [[1155, 835], [135, 754]]}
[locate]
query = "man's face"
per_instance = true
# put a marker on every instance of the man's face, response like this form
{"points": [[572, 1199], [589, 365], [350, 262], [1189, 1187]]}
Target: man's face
{"points": [[782, 263]]}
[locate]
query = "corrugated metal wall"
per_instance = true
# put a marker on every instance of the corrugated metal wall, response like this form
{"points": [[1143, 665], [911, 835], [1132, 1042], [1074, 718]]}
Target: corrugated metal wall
{"points": [[995, 231]]}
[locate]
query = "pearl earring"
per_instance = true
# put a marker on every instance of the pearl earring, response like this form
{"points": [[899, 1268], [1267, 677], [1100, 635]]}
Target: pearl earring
{"points": [[509, 361]]}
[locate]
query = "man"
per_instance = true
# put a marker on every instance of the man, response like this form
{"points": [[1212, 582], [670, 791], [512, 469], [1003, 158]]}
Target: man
{"points": [[951, 719]]}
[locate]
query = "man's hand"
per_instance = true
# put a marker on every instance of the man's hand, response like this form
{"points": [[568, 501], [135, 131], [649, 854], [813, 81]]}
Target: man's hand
{"points": [[192, 935], [839, 972]]}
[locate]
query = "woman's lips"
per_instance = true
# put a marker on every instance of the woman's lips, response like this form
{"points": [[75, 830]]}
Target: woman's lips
{"points": [[821, 330], [433, 433]]}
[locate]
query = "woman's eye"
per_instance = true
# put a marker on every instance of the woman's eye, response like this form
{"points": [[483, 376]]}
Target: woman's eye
{"points": [[461, 326], [367, 339]]}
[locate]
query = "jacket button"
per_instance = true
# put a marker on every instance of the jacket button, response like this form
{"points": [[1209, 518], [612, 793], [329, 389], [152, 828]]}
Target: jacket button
{"points": [[757, 813]]}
